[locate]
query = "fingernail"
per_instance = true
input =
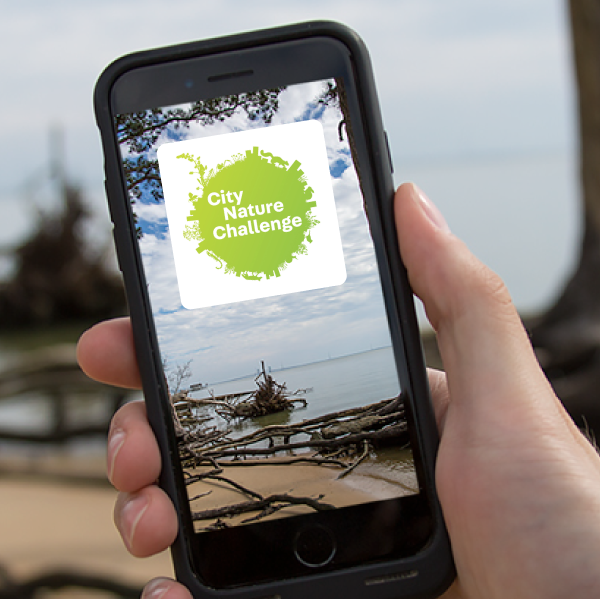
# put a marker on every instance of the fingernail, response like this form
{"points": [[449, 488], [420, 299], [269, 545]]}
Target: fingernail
{"points": [[156, 588], [115, 442], [431, 210], [130, 515]]}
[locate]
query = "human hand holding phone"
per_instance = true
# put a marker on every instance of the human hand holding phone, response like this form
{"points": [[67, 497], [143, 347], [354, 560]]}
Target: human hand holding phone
{"points": [[250, 187], [518, 483]]}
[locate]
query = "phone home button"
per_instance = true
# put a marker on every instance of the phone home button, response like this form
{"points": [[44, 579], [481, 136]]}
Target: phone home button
{"points": [[314, 546]]}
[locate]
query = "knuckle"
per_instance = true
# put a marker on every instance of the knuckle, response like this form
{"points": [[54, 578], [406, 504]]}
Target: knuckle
{"points": [[482, 291], [493, 288], [131, 412]]}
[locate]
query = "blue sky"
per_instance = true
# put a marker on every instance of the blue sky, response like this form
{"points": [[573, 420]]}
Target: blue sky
{"points": [[228, 341], [463, 84]]}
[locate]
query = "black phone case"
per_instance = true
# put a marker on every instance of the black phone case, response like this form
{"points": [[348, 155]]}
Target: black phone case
{"points": [[424, 575]]}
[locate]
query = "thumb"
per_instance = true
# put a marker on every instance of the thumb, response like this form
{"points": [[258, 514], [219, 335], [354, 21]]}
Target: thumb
{"points": [[484, 347]]}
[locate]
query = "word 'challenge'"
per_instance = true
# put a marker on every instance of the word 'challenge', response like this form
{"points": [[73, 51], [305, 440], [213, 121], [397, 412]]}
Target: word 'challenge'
{"points": [[253, 226]]}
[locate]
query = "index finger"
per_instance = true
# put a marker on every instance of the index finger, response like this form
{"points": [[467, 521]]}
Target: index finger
{"points": [[106, 353]]}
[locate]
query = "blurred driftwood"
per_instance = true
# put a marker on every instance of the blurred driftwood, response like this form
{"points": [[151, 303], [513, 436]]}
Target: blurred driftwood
{"points": [[65, 579], [53, 374]]}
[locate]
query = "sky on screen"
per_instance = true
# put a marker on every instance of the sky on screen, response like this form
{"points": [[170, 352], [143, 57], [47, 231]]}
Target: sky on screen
{"points": [[228, 341]]}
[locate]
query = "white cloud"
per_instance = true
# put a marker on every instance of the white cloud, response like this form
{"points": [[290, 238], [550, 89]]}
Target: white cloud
{"points": [[294, 328], [154, 213]]}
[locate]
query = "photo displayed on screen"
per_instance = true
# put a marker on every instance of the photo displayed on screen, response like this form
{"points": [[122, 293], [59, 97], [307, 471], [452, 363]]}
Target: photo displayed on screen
{"points": [[267, 304]]}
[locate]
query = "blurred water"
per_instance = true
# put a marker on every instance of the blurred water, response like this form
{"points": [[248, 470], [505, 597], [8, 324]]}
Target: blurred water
{"points": [[520, 214]]}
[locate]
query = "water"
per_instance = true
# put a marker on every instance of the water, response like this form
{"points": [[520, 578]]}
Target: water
{"points": [[335, 384], [338, 384]]}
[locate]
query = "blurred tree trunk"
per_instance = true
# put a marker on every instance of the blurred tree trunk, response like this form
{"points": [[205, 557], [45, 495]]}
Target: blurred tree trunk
{"points": [[567, 338]]}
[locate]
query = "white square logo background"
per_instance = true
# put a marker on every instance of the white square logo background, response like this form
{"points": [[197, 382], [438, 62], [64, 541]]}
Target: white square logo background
{"points": [[201, 283]]}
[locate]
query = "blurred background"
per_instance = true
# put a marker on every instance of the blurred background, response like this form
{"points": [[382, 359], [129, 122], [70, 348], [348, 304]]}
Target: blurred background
{"points": [[482, 102]]}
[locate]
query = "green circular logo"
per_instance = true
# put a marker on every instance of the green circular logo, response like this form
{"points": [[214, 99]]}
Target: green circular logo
{"points": [[253, 216]]}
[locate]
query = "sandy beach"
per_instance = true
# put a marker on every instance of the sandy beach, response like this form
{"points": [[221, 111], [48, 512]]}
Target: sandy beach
{"points": [[53, 519], [370, 481], [57, 511]]}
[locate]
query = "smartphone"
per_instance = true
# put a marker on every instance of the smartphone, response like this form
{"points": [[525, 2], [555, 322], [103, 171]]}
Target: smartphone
{"points": [[250, 189]]}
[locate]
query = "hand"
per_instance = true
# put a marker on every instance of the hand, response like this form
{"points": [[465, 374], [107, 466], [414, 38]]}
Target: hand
{"points": [[518, 483], [144, 514]]}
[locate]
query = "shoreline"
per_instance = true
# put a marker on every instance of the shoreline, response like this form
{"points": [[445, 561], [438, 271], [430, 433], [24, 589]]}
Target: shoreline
{"points": [[369, 481]]}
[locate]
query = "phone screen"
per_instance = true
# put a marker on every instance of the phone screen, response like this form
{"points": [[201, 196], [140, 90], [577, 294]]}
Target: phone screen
{"points": [[268, 309]]}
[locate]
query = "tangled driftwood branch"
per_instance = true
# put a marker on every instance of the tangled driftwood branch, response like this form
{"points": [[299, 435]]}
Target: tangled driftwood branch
{"points": [[376, 422], [269, 397], [341, 440], [260, 504]]}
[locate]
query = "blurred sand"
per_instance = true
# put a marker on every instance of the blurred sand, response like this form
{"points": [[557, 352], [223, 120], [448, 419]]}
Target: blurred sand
{"points": [[47, 525], [57, 511]]}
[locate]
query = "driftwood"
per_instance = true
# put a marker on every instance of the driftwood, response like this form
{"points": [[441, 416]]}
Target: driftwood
{"points": [[345, 441], [377, 421], [260, 504], [341, 440], [269, 397], [264, 505], [53, 374]]}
